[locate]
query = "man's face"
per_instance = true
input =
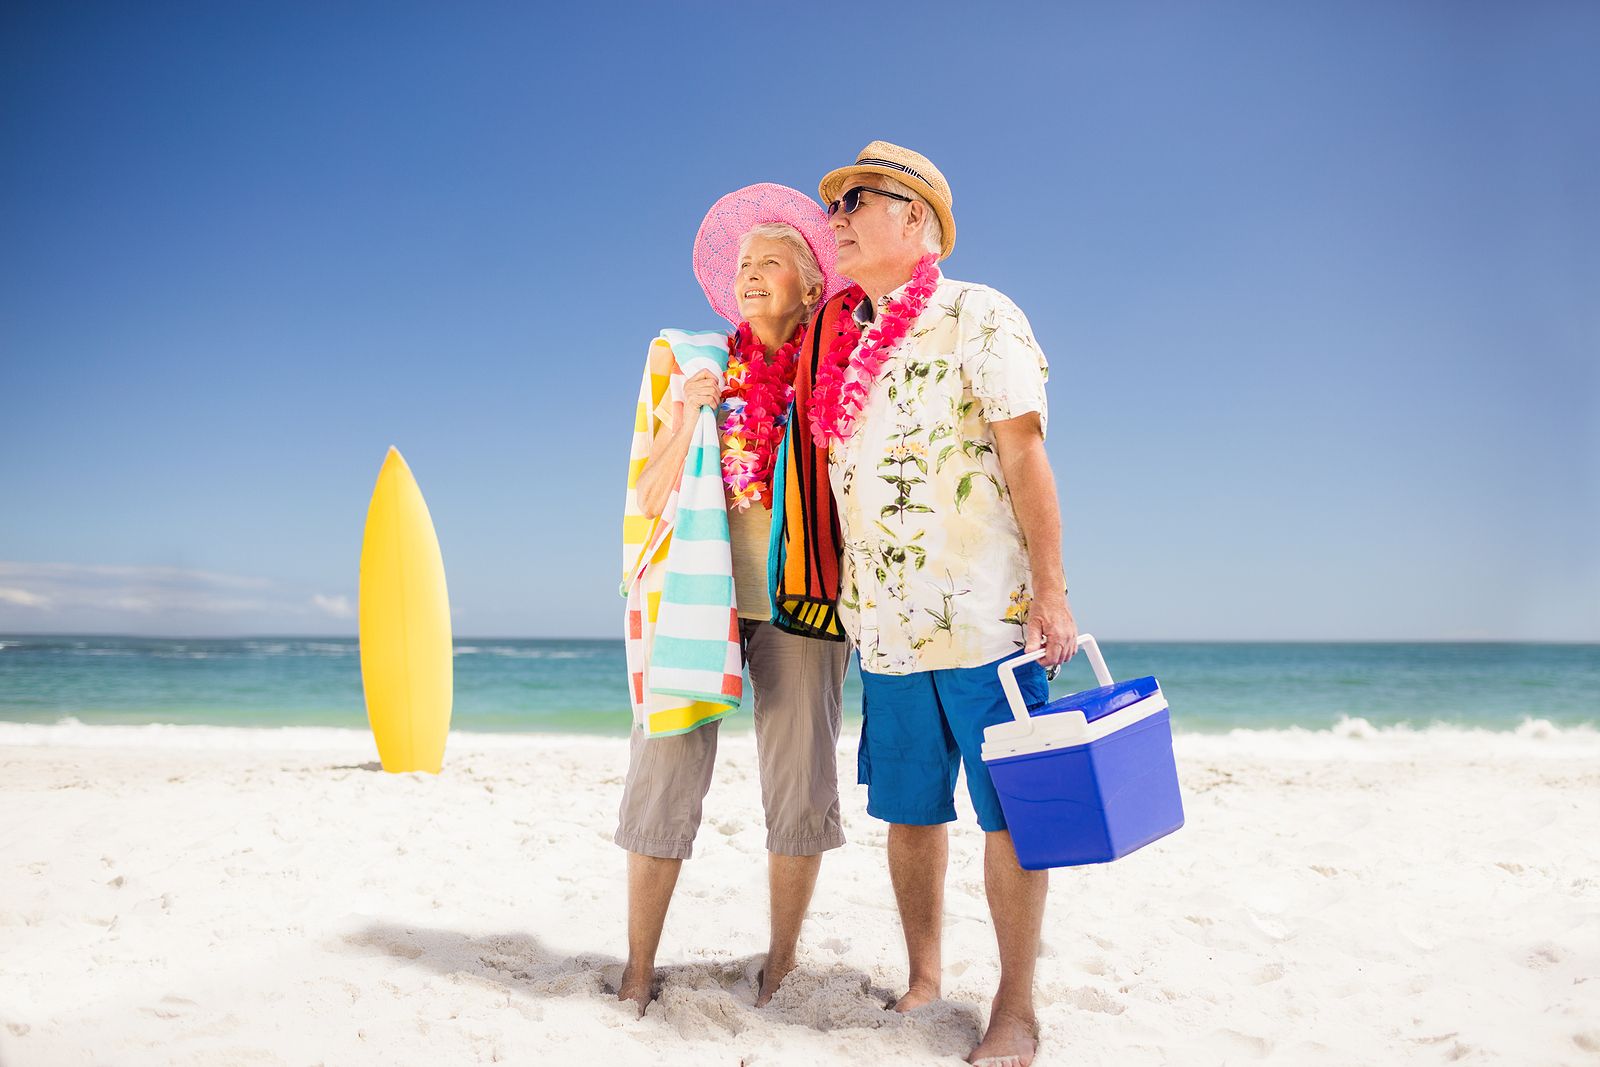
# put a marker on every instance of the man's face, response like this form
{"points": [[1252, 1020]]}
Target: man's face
{"points": [[869, 237]]}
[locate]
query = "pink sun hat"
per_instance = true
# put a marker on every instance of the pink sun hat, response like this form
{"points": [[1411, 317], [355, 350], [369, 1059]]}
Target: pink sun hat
{"points": [[716, 246]]}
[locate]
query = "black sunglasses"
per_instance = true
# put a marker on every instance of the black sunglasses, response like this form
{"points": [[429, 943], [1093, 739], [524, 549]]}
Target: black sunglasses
{"points": [[852, 199]]}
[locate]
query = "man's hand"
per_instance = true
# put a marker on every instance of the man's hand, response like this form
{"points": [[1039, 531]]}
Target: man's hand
{"points": [[1051, 627]]}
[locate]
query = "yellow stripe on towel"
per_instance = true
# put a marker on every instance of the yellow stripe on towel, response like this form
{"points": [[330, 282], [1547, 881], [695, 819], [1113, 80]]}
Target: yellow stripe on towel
{"points": [[682, 719]]}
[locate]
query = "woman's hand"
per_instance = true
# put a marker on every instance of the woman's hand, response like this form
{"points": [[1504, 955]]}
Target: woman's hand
{"points": [[702, 391], [660, 473]]}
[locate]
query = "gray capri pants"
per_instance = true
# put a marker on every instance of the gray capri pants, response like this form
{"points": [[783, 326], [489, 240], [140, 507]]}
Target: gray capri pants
{"points": [[796, 682]]}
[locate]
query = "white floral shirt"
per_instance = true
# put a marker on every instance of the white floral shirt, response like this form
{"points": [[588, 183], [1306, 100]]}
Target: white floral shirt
{"points": [[935, 571]]}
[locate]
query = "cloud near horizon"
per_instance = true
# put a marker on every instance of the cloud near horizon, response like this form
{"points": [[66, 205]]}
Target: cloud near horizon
{"points": [[100, 596], [337, 607], [22, 598]]}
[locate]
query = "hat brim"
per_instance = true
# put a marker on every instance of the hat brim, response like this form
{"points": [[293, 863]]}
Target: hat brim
{"points": [[833, 183]]}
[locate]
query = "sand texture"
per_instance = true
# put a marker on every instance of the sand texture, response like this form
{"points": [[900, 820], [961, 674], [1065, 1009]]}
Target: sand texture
{"points": [[211, 896]]}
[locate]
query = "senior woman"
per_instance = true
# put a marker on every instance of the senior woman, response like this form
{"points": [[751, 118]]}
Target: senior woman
{"points": [[765, 258]]}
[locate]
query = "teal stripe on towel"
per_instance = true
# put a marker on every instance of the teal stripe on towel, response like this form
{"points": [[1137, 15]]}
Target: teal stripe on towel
{"points": [[701, 524], [688, 653], [710, 347], [717, 354], [702, 461], [714, 590]]}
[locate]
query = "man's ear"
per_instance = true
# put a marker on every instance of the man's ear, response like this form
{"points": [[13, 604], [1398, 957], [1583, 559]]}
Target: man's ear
{"points": [[915, 213]]}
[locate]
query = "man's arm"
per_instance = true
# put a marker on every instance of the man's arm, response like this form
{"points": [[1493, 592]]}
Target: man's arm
{"points": [[1019, 444]]}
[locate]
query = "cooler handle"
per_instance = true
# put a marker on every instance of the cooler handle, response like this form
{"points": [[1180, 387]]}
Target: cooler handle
{"points": [[1008, 672]]}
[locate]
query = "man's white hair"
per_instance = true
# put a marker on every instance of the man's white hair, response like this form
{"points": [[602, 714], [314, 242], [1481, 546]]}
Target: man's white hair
{"points": [[804, 261], [932, 232]]}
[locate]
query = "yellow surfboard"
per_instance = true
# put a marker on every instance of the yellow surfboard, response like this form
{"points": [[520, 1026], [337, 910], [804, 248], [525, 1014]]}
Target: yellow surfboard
{"points": [[407, 669]]}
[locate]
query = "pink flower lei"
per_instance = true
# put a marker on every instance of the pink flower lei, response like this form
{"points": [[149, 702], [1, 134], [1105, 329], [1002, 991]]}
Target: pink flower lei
{"points": [[850, 369], [757, 397]]}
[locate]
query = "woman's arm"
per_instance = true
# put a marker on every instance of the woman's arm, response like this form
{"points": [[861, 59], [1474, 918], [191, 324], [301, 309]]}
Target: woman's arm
{"points": [[671, 445]]}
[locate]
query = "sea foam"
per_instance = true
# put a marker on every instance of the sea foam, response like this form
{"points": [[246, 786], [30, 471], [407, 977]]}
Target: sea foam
{"points": [[1350, 739]]}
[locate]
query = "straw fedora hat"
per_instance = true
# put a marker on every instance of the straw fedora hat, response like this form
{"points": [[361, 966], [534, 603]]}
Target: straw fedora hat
{"points": [[911, 168]]}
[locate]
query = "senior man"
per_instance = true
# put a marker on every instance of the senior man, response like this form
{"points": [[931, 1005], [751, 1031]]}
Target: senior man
{"points": [[931, 402]]}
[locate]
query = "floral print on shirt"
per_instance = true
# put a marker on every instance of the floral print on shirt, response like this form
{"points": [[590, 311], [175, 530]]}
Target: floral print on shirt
{"points": [[935, 570]]}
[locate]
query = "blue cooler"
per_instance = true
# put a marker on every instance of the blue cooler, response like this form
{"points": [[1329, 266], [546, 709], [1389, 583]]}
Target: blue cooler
{"points": [[1087, 778]]}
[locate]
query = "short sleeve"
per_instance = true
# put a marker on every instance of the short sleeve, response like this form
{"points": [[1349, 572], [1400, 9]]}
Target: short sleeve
{"points": [[1001, 361]]}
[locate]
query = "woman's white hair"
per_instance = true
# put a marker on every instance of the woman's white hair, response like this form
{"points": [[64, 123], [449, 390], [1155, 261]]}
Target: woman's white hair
{"points": [[804, 261], [932, 232]]}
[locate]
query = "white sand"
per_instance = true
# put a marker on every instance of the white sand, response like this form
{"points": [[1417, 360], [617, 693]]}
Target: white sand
{"points": [[208, 896]]}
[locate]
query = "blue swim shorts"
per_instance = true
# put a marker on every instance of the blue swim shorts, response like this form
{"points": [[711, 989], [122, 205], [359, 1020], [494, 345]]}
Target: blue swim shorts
{"points": [[916, 729]]}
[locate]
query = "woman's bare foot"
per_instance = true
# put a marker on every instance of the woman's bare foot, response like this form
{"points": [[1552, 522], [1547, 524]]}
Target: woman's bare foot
{"points": [[641, 989], [770, 978], [1010, 1041], [919, 994]]}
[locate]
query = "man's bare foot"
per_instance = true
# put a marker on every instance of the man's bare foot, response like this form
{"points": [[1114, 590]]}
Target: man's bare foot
{"points": [[1010, 1041], [919, 994], [641, 989], [770, 978]]}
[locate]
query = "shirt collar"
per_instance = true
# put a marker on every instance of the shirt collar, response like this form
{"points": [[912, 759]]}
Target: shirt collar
{"points": [[866, 313]]}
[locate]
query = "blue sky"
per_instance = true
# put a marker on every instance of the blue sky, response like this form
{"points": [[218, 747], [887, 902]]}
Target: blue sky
{"points": [[1318, 284]]}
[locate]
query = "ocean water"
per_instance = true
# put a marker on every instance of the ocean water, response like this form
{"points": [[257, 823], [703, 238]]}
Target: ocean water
{"points": [[532, 686]]}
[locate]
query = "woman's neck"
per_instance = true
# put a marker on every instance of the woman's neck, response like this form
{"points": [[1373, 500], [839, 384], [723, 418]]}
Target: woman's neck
{"points": [[775, 333]]}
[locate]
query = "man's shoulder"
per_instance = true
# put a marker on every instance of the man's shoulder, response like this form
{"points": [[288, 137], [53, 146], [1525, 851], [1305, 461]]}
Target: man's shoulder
{"points": [[967, 298]]}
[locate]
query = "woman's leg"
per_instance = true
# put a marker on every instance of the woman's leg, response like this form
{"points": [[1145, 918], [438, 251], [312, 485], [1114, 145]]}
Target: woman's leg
{"points": [[796, 683], [790, 881], [651, 880], [668, 778]]}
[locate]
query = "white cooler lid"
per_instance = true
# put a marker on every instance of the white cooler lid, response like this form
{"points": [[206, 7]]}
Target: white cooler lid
{"points": [[1063, 729]]}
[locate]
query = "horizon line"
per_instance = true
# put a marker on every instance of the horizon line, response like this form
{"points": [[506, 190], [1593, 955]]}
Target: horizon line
{"points": [[455, 639]]}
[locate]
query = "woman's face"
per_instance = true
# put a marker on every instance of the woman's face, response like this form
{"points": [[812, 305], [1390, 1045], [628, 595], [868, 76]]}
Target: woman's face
{"points": [[767, 284]]}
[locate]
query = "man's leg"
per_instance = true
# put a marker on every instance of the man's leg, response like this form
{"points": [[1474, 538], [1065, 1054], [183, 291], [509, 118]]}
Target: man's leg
{"points": [[908, 761], [974, 700], [651, 880], [918, 856], [790, 880], [1016, 904]]}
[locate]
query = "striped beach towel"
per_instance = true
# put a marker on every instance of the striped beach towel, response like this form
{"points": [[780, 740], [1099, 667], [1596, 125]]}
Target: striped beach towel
{"points": [[684, 663], [803, 556]]}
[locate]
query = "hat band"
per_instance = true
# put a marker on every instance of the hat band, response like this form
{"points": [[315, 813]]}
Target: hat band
{"points": [[869, 161]]}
